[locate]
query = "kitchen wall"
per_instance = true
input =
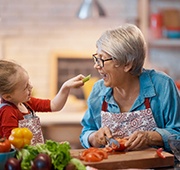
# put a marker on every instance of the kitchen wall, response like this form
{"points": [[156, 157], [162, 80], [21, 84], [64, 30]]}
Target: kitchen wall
{"points": [[33, 32]]}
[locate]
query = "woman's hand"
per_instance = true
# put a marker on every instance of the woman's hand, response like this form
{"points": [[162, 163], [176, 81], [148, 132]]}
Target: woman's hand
{"points": [[143, 139], [97, 138], [137, 141]]}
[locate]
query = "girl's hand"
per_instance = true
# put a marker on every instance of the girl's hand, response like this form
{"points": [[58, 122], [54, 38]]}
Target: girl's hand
{"points": [[75, 82], [58, 102]]}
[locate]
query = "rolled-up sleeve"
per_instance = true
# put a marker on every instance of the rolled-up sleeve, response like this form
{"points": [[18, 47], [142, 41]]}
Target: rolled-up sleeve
{"points": [[169, 119]]}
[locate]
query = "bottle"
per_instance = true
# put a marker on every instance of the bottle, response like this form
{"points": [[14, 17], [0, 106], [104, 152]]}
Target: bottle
{"points": [[156, 25]]}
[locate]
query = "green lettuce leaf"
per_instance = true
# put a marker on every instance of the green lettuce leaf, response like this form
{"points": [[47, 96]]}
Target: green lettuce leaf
{"points": [[59, 153]]}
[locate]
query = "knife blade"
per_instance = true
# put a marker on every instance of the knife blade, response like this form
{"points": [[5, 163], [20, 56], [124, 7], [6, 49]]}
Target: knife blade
{"points": [[111, 141]]}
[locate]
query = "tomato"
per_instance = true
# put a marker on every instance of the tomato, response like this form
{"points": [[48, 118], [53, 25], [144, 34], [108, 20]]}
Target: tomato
{"points": [[93, 157], [122, 142], [108, 149], [102, 153], [5, 145], [159, 153], [93, 154], [86, 151]]}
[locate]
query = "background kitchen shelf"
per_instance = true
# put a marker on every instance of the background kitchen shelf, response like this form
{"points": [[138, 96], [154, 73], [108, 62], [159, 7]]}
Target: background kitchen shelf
{"points": [[163, 53], [164, 42]]}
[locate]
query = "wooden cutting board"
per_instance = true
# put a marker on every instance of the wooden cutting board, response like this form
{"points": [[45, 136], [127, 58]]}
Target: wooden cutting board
{"points": [[133, 159]]}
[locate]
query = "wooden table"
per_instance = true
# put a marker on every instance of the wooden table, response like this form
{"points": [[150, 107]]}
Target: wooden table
{"points": [[145, 159]]}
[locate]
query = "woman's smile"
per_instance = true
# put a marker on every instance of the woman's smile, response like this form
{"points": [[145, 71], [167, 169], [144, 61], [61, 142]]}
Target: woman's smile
{"points": [[104, 75]]}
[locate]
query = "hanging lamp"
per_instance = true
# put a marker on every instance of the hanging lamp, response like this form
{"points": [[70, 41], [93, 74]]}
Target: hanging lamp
{"points": [[90, 8]]}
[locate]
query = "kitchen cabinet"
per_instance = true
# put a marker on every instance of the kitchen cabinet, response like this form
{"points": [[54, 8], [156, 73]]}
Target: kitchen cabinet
{"points": [[162, 51], [62, 126], [64, 132]]}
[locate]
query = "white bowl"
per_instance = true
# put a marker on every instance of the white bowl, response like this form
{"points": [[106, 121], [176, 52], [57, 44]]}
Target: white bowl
{"points": [[5, 156]]}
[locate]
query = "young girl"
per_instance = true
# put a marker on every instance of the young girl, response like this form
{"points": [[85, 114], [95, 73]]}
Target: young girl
{"points": [[17, 106]]}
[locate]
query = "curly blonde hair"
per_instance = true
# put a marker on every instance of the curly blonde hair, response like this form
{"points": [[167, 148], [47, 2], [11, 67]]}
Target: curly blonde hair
{"points": [[9, 76]]}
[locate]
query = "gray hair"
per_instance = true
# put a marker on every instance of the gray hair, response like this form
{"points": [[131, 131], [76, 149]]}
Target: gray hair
{"points": [[126, 44]]}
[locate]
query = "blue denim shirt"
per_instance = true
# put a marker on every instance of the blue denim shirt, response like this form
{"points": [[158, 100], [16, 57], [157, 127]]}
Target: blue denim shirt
{"points": [[164, 100]]}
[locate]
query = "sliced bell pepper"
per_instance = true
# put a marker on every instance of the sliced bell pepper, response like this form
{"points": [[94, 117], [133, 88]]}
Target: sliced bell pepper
{"points": [[20, 137], [159, 153]]}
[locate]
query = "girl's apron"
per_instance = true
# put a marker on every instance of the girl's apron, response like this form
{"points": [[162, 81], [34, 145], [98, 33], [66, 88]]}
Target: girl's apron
{"points": [[124, 124], [32, 122]]}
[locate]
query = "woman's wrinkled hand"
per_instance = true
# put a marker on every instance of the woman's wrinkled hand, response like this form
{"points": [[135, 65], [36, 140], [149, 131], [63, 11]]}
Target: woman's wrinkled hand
{"points": [[97, 138], [137, 141]]}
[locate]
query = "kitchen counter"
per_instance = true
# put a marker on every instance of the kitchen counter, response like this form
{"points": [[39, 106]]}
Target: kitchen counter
{"points": [[144, 159], [61, 117], [62, 126]]}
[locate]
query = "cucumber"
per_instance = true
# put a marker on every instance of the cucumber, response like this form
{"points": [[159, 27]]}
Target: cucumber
{"points": [[86, 78]]}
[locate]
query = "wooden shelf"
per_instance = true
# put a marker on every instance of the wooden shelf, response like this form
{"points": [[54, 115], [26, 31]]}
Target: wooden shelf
{"points": [[145, 9], [165, 42]]}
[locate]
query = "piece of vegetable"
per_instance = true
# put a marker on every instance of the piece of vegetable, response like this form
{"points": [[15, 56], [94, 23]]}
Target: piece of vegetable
{"points": [[93, 155], [42, 162], [122, 142], [20, 137], [103, 154], [77, 163], [12, 164], [58, 152], [159, 153], [86, 78], [70, 166], [5, 145], [108, 149]]}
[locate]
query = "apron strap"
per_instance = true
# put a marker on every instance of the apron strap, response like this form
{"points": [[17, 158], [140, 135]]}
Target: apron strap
{"points": [[4, 104], [104, 106], [29, 108], [146, 102]]}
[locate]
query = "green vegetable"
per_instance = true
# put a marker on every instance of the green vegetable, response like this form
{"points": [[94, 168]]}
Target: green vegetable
{"points": [[58, 152], [86, 78], [78, 164]]}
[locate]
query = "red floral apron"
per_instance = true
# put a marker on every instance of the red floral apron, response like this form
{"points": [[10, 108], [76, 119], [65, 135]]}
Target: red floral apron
{"points": [[124, 124], [32, 122]]}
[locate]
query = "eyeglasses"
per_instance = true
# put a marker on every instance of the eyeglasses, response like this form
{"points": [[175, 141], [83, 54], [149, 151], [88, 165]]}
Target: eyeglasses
{"points": [[100, 61]]}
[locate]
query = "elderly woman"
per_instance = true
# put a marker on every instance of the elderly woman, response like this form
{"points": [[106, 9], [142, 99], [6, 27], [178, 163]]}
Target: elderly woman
{"points": [[129, 101]]}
